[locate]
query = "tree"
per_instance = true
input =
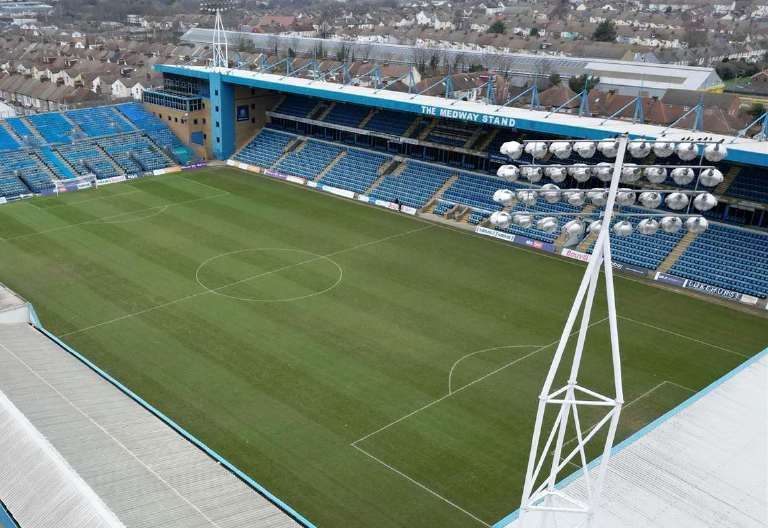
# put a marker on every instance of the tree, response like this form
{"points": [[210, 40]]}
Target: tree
{"points": [[555, 79], [605, 32], [497, 28], [534, 32], [576, 84]]}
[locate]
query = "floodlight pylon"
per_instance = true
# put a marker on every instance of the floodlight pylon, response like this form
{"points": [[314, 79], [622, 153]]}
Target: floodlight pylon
{"points": [[220, 45], [543, 504]]}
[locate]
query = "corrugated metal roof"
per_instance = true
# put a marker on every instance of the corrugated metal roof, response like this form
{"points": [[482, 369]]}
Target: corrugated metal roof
{"points": [[705, 466], [144, 471]]}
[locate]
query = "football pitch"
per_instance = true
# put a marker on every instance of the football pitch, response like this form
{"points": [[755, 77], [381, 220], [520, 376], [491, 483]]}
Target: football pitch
{"points": [[368, 368]]}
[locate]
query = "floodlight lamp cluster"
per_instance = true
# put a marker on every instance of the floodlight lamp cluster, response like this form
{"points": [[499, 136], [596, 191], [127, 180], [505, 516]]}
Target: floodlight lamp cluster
{"points": [[701, 200], [686, 150]]}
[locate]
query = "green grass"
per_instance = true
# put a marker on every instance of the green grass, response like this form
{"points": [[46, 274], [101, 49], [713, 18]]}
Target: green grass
{"points": [[357, 319]]}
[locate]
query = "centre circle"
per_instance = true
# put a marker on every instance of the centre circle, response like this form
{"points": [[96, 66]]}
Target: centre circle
{"points": [[269, 274]]}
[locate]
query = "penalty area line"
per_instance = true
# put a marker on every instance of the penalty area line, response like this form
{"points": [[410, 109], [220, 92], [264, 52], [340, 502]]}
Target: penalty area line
{"points": [[422, 486]]}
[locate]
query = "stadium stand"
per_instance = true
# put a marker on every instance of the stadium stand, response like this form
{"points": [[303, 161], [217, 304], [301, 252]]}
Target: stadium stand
{"points": [[414, 186], [750, 185], [346, 114], [728, 257], [356, 171], [7, 142], [296, 105], [308, 161], [475, 190], [264, 149], [56, 163], [52, 126], [390, 122], [11, 186], [99, 121], [87, 157], [28, 168]]}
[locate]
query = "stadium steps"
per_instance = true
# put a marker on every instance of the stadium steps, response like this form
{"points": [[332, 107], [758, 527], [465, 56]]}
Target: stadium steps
{"points": [[75, 126], [439, 193], [33, 129], [109, 157], [51, 170], [367, 118], [393, 169], [320, 108], [173, 161], [474, 137], [295, 145], [677, 252], [487, 140], [330, 165], [463, 215], [727, 181], [121, 117], [390, 165], [322, 113], [585, 244], [427, 130], [63, 158], [414, 124], [11, 132]]}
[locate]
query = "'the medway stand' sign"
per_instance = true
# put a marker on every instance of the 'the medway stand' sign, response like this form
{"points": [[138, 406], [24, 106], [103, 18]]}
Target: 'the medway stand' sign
{"points": [[474, 117]]}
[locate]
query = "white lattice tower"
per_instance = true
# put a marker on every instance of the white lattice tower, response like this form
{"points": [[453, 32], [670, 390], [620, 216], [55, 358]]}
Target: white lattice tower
{"points": [[220, 46], [543, 505]]}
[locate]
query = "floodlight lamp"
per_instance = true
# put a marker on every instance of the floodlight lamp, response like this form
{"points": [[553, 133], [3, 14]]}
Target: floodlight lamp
{"points": [[650, 199], [671, 224], [532, 173], [585, 149], [580, 172], [508, 172], [556, 173], [648, 226], [705, 202], [503, 196], [598, 197], [595, 227], [687, 151], [603, 171], [623, 228], [697, 224], [548, 224], [663, 149], [523, 220], [625, 197], [608, 148], [710, 177], [630, 173], [526, 197], [715, 153], [561, 149], [551, 193], [575, 198], [512, 149], [537, 149], [639, 149], [683, 175], [655, 174]]}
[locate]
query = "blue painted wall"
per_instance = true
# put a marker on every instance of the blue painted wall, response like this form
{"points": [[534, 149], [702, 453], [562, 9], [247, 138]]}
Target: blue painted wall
{"points": [[222, 116]]}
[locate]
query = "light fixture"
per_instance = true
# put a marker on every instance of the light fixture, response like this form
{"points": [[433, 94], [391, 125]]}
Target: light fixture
{"points": [[526, 197], [687, 151], [537, 149], [561, 149], [671, 224], [630, 173], [523, 220], [548, 224], [710, 177], [556, 173], [715, 152], [508, 172], [574, 198], [648, 226], [676, 201], [532, 173], [608, 148], [655, 174], [512, 149], [625, 197], [639, 149], [580, 172], [623, 228], [598, 197], [705, 202], [585, 149], [504, 197], [551, 193], [603, 171], [697, 224], [650, 199], [683, 175], [663, 149]]}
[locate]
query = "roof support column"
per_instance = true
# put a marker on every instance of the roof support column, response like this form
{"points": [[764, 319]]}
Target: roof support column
{"points": [[222, 117]]}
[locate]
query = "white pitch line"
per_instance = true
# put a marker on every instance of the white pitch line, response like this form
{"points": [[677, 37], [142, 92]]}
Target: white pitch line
{"points": [[477, 380], [422, 486], [476, 352], [94, 221], [110, 435], [266, 273], [684, 336]]}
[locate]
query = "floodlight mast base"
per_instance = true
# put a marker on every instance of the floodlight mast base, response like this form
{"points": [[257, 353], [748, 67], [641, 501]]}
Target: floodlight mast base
{"points": [[543, 505]]}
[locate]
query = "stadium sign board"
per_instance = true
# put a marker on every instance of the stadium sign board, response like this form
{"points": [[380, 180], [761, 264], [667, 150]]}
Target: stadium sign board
{"points": [[474, 117]]}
